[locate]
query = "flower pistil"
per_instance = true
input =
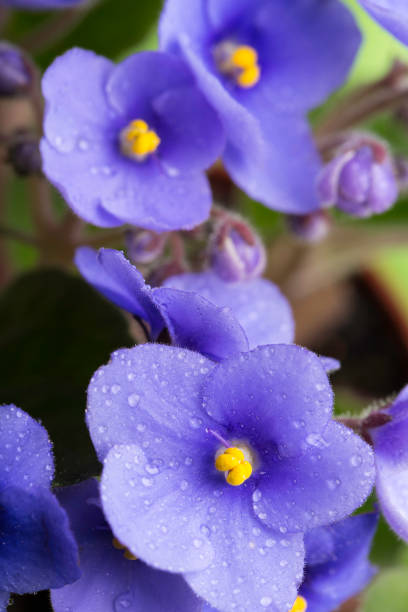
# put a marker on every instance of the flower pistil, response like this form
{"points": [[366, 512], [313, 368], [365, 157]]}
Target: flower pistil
{"points": [[235, 465]]}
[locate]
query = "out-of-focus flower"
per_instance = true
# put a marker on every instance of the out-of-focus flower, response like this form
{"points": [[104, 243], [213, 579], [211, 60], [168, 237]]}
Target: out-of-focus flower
{"points": [[226, 490], [111, 577], [391, 14], [310, 228], [391, 459], [255, 62], [337, 565], [38, 550], [15, 76], [129, 143], [360, 180], [236, 251], [144, 246], [201, 311]]}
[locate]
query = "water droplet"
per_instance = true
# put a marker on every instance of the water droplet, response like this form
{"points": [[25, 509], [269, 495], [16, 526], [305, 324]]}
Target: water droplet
{"points": [[83, 144], [265, 602], [356, 460], [133, 399]]}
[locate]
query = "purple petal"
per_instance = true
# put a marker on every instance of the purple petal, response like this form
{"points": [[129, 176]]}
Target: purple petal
{"points": [[259, 306], [327, 482], [194, 135], [132, 400], [79, 140], [39, 551], [391, 14], [25, 450], [153, 511], [4, 599], [157, 201], [117, 279], [284, 176], [345, 570], [277, 395], [254, 568], [330, 364], [391, 458], [199, 325], [110, 581]]}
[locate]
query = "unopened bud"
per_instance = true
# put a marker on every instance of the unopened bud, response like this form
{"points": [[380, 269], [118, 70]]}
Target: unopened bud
{"points": [[361, 179], [144, 246], [24, 154], [15, 75], [236, 251], [310, 228]]}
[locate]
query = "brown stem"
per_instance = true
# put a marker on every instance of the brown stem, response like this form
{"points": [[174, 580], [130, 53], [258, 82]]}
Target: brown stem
{"points": [[52, 30], [5, 264], [15, 234], [41, 205], [103, 238]]}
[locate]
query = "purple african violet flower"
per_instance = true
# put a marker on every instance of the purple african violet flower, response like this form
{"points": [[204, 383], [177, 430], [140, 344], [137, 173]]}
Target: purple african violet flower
{"points": [[161, 417], [38, 549], [15, 76], [337, 565], [42, 4], [129, 143], [255, 61], [391, 459], [236, 251], [111, 579], [192, 321], [391, 14], [360, 180], [259, 306]]}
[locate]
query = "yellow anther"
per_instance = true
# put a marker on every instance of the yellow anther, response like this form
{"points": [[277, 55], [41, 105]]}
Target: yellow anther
{"points": [[300, 604], [126, 553], [239, 474], [244, 57], [249, 76], [230, 458], [138, 141]]}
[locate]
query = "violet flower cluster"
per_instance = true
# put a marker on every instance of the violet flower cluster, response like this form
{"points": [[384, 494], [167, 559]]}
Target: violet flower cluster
{"points": [[227, 481]]}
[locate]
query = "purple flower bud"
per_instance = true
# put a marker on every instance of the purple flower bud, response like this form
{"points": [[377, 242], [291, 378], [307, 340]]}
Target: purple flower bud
{"points": [[24, 154], [15, 76], [236, 251], [144, 246], [311, 228], [360, 180]]}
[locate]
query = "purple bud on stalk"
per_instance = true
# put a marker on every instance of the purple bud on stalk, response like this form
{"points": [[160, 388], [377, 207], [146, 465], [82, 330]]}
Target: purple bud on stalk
{"points": [[360, 179], [15, 75], [144, 246], [236, 251], [310, 228]]}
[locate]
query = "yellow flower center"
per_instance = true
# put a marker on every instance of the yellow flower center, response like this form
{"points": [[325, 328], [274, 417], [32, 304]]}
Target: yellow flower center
{"points": [[236, 467], [239, 62], [137, 140], [300, 604], [126, 552]]}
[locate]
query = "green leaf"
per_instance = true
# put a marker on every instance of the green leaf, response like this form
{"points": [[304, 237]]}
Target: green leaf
{"points": [[388, 593], [55, 331]]}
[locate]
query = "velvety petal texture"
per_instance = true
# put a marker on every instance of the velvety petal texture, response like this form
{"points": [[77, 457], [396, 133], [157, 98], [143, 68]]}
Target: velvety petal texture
{"points": [[37, 549], [117, 279], [109, 580], [391, 458], [83, 147], [259, 306], [160, 417], [337, 563], [296, 43], [193, 322], [391, 14]]}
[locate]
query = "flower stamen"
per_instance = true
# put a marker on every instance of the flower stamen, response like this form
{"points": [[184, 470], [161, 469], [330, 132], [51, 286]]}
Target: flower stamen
{"points": [[137, 140], [240, 62], [300, 604], [126, 552], [233, 462]]}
